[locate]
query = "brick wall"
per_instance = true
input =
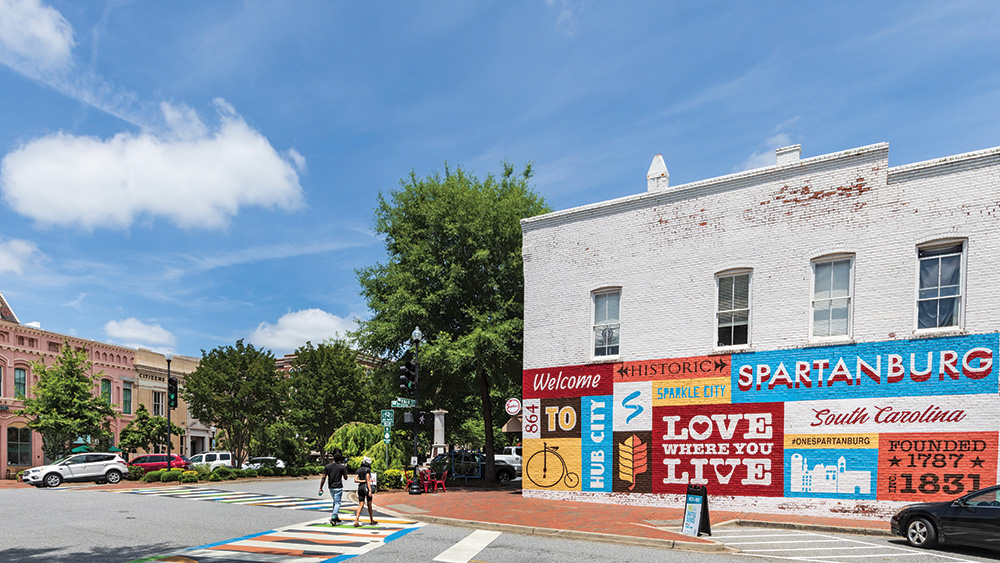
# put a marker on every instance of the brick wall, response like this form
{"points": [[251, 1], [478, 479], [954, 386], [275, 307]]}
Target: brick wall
{"points": [[663, 250]]}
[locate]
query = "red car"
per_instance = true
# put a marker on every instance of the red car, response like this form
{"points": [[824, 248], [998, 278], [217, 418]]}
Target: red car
{"points": [[156, 462]]}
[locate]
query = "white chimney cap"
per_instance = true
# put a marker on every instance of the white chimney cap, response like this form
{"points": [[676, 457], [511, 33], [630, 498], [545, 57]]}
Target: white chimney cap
{"points": [[658, 177]]}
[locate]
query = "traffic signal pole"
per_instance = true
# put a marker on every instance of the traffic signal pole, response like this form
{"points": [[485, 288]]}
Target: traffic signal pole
{"points": [[169, 357]]}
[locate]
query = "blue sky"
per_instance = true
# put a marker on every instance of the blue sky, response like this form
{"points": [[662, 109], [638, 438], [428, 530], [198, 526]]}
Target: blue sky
{"points": [[179, 175]]}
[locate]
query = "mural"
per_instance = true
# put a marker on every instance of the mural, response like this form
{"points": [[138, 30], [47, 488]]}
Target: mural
{"points": [[904, 420]]}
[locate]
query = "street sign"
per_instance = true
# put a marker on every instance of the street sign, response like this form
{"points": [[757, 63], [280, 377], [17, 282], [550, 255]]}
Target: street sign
{"points": [[513, 406], [388, 416], [386, 435], [403, 403]]}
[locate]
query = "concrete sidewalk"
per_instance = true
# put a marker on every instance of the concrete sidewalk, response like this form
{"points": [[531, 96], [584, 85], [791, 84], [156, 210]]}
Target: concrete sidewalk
{"points": [[507, 510]]}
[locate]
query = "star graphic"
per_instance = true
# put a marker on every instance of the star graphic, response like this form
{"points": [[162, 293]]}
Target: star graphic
{"points": [[978, 462], [894, 461]]}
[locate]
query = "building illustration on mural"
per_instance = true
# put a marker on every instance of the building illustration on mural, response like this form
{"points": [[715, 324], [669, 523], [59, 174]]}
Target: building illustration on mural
{"points": [[720, 376], [833, 478]]}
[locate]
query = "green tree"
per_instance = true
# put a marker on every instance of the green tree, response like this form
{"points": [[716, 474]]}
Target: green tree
{"points": [[237, 389], [281, 439], [64, 406], [454, 268], [328, 388], [146, 432], [353, 438]]}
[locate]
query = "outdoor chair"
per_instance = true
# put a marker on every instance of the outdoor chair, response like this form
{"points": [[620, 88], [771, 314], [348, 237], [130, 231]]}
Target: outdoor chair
{"points": [[440, 481]]}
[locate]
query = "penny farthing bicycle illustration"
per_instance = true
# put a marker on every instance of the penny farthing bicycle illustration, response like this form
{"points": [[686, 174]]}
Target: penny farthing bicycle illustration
{"points": [[546, 468]]}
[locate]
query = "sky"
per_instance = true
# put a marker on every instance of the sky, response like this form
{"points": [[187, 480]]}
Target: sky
{"points": [[181, 175]]}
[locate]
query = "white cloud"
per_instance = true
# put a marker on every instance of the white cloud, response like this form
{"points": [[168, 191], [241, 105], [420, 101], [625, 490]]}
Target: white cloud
{"points": [[767, 156], [15, 254], [566, 24], [294, 329], [34, 39], [133, 330], [192, 175]]}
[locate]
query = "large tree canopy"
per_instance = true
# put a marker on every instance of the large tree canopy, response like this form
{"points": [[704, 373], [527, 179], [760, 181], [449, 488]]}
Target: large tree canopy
{"points": [[237, 389], [454, 268], [64, 406]]}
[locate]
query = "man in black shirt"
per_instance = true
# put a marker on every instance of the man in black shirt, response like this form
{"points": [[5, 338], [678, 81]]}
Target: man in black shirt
{"points": [[337, 473]]}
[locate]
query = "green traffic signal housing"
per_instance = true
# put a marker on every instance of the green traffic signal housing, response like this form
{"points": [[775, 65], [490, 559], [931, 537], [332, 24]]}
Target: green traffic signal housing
{"points": [[408, 377], [172, 392]]}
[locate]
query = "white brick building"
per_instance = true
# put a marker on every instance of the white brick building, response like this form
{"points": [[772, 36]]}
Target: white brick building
{"points": [[762, 271]]}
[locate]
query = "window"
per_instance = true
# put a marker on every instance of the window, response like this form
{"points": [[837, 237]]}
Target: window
{"points": [[127, 397], [733, 312], [831, 302], [939, 296], [18, 446], [20, 382], [158, 403], [106, 390], [607, 328]]}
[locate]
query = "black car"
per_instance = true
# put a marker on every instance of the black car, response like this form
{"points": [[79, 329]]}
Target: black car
{"points": [[973, 519], [468, 464]]}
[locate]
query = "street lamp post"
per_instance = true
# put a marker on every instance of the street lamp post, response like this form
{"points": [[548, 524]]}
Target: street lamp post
{"points": [[168, 356], [416, 336]]}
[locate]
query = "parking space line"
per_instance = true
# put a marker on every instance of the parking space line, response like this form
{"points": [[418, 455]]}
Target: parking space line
{"points": [[883, 550], [786, 541]]}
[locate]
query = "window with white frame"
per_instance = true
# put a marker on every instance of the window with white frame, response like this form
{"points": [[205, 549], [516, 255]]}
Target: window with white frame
{"points": [[607, 326], [158, 403], [939, 286], [832, 294], [732, 313]]}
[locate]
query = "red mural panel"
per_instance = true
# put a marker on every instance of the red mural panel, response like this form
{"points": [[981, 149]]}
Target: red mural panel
{"points": [[924, 467], [731, 449], [567, 381]]}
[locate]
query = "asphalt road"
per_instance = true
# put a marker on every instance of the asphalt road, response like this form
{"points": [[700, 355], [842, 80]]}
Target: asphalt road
{"points": [[83, 524]]}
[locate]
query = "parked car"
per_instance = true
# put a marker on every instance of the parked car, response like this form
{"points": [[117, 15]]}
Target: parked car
{"points": [[258, 462], [973, 519], [512, 456], [471, 464], [97, 467], [212, 459], [157, 462]]}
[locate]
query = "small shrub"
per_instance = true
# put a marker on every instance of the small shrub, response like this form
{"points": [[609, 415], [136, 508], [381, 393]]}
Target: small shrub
{"points": [[391, 479], [178, 469], [278, 471], [187, 477], [203, 468], [214, 477], [189, 472], [167, 476], [231, 477], [152, 477], [265, 472], [251, 473], [223, 472], [135, 473]]}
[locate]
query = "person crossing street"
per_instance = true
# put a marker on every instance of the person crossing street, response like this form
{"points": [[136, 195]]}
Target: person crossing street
{"points": [[336, 472]]}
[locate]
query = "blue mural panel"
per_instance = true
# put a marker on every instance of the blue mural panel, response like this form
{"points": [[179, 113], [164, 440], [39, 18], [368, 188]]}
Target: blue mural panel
{"points": [[960, 365], [834, 473], [596, 439]]}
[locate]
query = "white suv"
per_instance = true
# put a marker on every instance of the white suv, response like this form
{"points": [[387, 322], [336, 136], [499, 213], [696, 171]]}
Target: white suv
{"points": [[213, 459], [97, 467]]}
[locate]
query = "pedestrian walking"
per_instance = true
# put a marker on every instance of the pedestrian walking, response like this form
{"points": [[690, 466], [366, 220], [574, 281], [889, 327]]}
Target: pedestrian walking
{"points": [[365, 490], [336, 472]]}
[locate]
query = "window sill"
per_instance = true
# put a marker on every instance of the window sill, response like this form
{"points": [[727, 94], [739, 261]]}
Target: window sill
{"points": [[732, 349], [831, 340], [936, 332], [604, 359]]}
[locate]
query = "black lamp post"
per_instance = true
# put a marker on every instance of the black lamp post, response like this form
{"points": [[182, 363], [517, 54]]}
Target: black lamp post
{"points": [[416, 336], [168, 356]]}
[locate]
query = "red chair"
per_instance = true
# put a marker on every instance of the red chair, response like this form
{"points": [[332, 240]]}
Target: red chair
{"points": [[425, 481], [440, 481]]}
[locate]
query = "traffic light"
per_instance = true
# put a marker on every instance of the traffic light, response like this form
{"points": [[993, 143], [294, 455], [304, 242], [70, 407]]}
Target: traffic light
{"points": [[408, 377], [172, 392]]}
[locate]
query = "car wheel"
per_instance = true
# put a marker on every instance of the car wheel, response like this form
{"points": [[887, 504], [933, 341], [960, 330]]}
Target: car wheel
{"points": [[52, 480], [505, 476], [921, 533], [114, 477]]}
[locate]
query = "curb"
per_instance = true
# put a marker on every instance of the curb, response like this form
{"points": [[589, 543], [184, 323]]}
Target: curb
{"points": [[712, 547], [810, 527]]}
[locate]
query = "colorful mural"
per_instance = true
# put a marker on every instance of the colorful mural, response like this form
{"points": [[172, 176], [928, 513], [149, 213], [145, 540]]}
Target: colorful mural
{"points": [[904, 420]]}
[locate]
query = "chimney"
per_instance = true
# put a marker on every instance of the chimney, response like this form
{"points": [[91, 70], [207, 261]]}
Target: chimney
{"points": [[788, 155], [657, 178]]}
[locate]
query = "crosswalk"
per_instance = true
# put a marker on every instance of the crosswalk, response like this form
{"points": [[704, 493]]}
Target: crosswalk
{"points": [[232, 497]]}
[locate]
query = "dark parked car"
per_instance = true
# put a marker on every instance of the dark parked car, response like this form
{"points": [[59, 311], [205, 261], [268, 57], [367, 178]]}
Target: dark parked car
{"points": [[973, 519], [157, 462], [470, 464]]}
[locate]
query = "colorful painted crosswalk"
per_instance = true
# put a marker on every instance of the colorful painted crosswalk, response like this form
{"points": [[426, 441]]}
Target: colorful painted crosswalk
{"points": [[233, 497]]}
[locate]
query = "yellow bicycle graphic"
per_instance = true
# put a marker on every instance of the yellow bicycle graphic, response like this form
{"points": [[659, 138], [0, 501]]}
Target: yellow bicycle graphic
{"points": [[550, 477]]}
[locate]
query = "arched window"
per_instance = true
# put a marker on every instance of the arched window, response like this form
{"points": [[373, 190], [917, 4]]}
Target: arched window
{"points": [[106, 390]]}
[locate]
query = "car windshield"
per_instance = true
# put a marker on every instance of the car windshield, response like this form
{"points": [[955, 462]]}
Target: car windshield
{"points": [[60, 460]]}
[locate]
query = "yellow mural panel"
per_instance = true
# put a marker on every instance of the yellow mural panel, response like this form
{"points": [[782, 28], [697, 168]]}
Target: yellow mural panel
{"points": [[702, 391], [831, 441], [551, 464]]}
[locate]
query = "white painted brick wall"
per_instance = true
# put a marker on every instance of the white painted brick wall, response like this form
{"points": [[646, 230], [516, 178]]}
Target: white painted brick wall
{"points": [[665, 248]]}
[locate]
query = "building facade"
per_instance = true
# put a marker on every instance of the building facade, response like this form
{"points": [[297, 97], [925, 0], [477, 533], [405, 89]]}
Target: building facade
{"points": [[21, 346], [151, 377], [818, 336]]}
